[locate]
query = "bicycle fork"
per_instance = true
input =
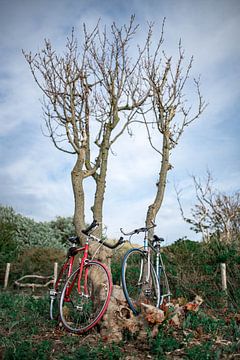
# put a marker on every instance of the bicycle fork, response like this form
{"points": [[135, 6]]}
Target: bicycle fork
{"points": [[144, 275], [160, 271]]}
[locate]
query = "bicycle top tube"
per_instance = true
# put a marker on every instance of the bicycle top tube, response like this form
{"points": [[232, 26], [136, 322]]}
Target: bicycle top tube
{"points": [[137, 231]]}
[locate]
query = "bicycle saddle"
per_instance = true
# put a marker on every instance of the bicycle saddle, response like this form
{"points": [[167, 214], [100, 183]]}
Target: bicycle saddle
{"points": [[74, 239], [157, 241]]}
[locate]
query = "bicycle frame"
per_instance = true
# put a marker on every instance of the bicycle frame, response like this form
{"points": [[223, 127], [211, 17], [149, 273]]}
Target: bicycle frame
{"points": [[148, 247], [83, 261], [160, 271], [86, 293], [69, 262]]}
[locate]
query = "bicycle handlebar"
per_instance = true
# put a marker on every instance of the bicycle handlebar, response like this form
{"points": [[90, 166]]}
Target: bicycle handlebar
{"points": [[113, 246], [137, 231], [96, 224], [90, 227]]}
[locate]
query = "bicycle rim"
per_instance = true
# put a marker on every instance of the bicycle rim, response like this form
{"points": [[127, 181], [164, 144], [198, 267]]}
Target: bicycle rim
{"points": [[80, 311], [136, 287]]}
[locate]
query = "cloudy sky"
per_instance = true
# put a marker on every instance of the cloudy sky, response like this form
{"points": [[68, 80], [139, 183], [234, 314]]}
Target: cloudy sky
{"points": [[35, 177]]}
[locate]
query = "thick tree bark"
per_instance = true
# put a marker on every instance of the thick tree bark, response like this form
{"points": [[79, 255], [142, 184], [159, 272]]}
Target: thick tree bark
{"points": [[100, 180], [79, 198], [161, 185], [97, 208]]}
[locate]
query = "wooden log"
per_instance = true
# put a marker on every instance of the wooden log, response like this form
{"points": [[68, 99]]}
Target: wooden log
{"points": [[7, 275], [55, 272], [224, 277], [34, 285]]}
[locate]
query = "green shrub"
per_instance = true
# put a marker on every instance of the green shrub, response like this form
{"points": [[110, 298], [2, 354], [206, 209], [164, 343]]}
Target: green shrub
{"points": [[31, 247], [36, 261], [194, 268], [63, 228], [26, 232]]}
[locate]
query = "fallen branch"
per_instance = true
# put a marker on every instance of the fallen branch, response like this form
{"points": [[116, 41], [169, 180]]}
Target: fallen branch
{"points": [[33, 285]]}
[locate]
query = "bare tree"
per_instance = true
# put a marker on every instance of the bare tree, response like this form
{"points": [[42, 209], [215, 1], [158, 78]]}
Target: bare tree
{"points": [[91, 95], [93, 92], [96, 90], [214, 212], [170, 114], [122, 91]]}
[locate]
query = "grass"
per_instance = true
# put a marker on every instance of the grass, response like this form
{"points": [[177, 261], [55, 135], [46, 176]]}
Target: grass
{"points": [[193, 268], [26, 333]]}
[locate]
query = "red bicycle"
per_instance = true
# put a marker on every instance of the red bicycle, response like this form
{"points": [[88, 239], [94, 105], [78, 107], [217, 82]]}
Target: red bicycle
{"points": [[82, 297]]}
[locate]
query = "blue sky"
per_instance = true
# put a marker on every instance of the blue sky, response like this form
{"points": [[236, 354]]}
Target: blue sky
{"points": [[35, 177]]}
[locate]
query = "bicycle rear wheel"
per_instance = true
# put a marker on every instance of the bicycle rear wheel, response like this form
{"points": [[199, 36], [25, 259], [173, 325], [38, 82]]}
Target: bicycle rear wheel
{"points": [[137, 287], [81, 309]]}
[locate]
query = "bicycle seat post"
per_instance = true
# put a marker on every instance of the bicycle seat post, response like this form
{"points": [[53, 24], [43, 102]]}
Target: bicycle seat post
{"points": [[145, 243], [87, 240]]}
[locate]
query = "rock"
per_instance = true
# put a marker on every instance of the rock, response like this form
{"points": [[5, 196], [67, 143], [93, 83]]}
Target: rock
{"points": [[152, 314]]}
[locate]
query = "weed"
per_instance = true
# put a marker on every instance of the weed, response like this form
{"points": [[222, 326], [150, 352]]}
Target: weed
{"points": [[233, 330], [203, 351], [101, 352], [164, 342], [27, 350], [200, 319]]}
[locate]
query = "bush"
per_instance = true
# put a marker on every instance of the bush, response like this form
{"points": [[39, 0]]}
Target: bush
{"points": [[8, 245], [63, 228], [194, 268], [36, 261], [26, 232]]}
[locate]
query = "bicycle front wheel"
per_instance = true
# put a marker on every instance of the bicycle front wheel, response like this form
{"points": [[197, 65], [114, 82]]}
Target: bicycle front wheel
{"points": [[84, 301], [55, 293], [139, 281]]}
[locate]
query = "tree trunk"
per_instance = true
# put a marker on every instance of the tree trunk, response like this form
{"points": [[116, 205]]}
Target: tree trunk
{"points": [[97, 208], [100, 180], [161, 185], [79, 199]]}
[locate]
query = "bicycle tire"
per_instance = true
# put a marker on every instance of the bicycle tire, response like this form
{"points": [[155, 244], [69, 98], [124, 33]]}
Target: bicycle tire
{"points": [[135, 289], [58, 287], [79, 312]]}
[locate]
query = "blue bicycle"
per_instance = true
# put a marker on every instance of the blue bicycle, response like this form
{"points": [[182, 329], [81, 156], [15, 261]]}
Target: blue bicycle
{"points": [[144, 279]]}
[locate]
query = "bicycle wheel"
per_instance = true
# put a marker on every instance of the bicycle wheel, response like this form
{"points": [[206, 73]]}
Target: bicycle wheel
{"points": [[136, 287], [55, 293], [81, 309]]}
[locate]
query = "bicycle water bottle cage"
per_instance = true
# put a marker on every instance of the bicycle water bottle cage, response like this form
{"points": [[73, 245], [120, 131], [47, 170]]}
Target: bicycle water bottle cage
{"points": [[157, 241], [74, 240]]}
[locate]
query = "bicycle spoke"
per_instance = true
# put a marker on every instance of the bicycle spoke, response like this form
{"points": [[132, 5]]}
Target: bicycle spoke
{"points": [[138, 284], [81, 308]]}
